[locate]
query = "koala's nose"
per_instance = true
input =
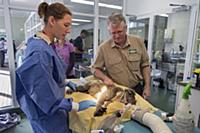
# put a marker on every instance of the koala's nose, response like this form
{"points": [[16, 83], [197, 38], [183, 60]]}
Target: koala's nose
{"points": [[125, 103]]}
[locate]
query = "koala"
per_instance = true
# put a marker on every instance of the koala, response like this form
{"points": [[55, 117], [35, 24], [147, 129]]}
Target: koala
{"points": [[109, 94]]}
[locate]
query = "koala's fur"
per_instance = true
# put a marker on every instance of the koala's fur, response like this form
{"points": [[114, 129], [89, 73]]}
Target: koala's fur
{"points": [[93, 87]]}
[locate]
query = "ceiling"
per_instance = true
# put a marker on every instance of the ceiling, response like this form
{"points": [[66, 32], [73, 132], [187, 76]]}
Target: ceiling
{"points": [[80, 11], [76, 7]]}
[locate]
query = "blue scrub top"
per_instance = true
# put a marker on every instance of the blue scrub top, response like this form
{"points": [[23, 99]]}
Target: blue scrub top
{"points": [[40, 88]]}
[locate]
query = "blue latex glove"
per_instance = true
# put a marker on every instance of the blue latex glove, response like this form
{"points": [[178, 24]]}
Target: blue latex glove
{"points": [[66, 104], [71, 85], [86, 104]]}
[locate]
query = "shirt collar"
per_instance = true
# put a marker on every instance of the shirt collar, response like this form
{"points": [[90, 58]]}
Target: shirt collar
{"points": [[113, 44], [44, 37]]}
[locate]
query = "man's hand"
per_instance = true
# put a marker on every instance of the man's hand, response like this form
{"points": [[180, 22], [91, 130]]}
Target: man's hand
{"points": [[108, 81], [146, 92], [99, 74]]}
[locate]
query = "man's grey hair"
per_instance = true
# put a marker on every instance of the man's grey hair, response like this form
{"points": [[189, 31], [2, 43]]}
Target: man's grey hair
{"points": [[116, 19]]}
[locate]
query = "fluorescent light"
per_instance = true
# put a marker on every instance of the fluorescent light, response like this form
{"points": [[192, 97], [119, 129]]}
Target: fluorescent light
{"points": [[100, 4], [81, 20], [83, 2], [75, 24], [163, 15], [110, 6]]}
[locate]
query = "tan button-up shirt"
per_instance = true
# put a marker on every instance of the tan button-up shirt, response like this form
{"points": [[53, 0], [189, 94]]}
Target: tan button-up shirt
{"points": [[123, 64]]}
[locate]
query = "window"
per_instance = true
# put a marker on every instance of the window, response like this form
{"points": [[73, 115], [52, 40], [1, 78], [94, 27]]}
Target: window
{"points": [[5, 84]]}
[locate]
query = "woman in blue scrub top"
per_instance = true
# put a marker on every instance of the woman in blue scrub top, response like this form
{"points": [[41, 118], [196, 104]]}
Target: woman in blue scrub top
{"points": [[40, 78]]}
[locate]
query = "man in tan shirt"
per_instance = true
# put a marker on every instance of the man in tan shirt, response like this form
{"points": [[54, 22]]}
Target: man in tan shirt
{"points": [[123, 58]]}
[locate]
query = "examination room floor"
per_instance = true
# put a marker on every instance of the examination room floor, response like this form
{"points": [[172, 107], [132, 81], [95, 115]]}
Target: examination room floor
{"points": [[160, 98]]}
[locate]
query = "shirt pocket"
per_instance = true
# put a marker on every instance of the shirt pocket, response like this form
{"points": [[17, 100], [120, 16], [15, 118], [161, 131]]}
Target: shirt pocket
{"points": [[114, 65], [134, 61]]}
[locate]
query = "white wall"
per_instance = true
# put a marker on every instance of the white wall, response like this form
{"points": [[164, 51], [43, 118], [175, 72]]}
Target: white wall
{"points": [[17, 24], [145, 7], [104, 34], [2, 25], [180, 23]]}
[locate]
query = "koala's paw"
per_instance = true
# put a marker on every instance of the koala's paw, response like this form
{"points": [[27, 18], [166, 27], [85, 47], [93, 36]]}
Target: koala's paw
{"points": [[100, 112]]}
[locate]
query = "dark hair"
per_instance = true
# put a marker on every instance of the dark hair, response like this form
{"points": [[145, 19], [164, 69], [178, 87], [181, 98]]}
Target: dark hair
{"points": [[84, 32], [116, 18], [2, 39], [71, 41], [57, 10]]}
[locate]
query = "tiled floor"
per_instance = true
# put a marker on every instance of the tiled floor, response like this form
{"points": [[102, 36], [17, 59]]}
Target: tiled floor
{"points": [[163, 99], [160, 98], [23, 127]]}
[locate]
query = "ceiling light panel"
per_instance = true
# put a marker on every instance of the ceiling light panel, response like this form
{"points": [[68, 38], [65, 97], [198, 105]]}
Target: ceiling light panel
{"points": [[83, 2], [81, 20], [100, 4], [110, 6], [163, 15]]}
